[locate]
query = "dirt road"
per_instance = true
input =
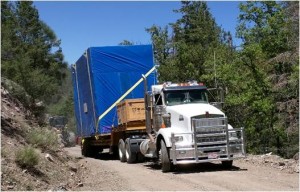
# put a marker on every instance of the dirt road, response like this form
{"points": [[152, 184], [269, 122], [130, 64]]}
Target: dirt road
{"points": [[105, 173]]}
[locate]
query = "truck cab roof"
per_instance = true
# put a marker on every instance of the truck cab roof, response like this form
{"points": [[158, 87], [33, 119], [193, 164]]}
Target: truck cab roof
{"points": [[177, 87]]}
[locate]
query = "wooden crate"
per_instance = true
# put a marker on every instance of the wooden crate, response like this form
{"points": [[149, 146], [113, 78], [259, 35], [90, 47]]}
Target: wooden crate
{"points": [[131, 110]]}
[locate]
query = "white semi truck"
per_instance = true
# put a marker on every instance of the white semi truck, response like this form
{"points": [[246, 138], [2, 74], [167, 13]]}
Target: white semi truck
{"points": [[182, 127]]}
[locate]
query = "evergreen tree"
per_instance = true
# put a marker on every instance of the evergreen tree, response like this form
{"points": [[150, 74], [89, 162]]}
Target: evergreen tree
{"points": [[163, 53], [31, 53], [263, 26], [126, 42], [261, 80], [196, 35]]}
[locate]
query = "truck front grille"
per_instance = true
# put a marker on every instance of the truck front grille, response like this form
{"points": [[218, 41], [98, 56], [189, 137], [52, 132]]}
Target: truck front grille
{"points": [[211, 139]]}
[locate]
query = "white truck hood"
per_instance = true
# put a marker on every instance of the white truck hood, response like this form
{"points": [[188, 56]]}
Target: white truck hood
{"points": [[181, 118], [191, 110]]}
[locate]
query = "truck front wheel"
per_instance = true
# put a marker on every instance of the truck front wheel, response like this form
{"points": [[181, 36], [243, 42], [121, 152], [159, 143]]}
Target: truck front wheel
{"points": [[130, 156], [121, 149], [165, 160]]}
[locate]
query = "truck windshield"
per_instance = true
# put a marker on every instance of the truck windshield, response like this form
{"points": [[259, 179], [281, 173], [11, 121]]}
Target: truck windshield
{"points": [[185, 96]]}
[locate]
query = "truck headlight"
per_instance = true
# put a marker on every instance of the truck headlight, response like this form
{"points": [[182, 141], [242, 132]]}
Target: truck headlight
{"points": [[178, 139], [232, 135]]}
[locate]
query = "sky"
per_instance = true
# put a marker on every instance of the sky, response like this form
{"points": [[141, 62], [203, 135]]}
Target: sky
{"points": [[81, 25]]}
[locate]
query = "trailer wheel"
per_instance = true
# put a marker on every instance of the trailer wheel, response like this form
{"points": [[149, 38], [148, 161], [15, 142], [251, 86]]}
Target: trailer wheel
{"points": [[227, 164], [165, 160], [130, 156], [85, 148], [121, 149]]}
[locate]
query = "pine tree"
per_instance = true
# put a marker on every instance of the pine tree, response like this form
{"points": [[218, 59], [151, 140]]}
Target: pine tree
{"points": [[31, 53]]}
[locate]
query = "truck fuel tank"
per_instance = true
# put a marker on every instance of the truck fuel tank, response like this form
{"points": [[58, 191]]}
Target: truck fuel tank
{"points": [[148, 148]]}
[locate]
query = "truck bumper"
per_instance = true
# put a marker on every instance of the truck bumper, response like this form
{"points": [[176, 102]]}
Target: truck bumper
{"points": [[190, 155], [209, 146]]}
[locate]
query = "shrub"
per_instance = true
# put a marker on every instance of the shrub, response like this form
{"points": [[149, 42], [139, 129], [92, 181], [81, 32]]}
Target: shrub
{"points": [[43, 138], [16, 91], [27, 157]]}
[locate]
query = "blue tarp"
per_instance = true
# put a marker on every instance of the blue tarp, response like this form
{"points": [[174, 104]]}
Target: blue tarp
{"points": [[103, 75]]}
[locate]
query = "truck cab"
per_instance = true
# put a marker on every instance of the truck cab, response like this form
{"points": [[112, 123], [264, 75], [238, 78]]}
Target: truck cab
{"points": [[189, 129]]}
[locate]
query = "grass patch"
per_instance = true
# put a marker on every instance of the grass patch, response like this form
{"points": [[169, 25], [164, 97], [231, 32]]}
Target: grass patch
{"points": [[27, 157], [43, 138]]}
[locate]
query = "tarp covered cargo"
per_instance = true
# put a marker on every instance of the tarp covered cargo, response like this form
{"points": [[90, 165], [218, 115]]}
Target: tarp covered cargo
{"points": [[101, 76]]}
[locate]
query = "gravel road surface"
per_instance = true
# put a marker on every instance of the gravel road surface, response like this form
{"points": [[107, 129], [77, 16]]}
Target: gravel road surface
{"points": [[106, 173]]}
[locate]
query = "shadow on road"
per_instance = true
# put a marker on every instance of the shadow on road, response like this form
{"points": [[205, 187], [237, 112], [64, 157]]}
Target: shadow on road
{"points": [[196, 168], [106, 156], [177, 169]]}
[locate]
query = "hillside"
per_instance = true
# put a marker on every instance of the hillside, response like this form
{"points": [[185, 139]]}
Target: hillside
{"points": [[54, 170]]}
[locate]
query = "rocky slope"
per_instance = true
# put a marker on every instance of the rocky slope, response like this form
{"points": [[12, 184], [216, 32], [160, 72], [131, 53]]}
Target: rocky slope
{"points": [[55, 170]]}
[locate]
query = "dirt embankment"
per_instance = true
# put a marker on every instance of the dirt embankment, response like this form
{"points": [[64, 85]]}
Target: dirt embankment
{"points": [[55, 170]]}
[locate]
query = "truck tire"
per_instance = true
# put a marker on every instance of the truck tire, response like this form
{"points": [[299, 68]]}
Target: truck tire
{"points": [[121, 149], [130, 156], [165, 160], [227, 164], [85, 148], [94, 151]]}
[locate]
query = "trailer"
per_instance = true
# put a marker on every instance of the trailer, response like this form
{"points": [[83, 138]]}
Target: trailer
{"points": [[100, 77]]}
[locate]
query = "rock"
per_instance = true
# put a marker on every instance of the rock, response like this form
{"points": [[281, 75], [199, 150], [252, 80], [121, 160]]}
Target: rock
{"points": [[10, 187], [61, 188], [296, 156], [268, 154], [12, 114], [72, 174], [281, 168], [24, 171], [17, 109], [296, 169], [49, 157], [72, 167], [4, 91], [266, 161], [80, 184], [39, 104], [10, 143]]}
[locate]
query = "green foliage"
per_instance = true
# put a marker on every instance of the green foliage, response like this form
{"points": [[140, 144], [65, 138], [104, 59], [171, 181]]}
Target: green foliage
{"points": [[269, 26], [126, 42], [16, 91], [27, 157], [266, 72], [62, 103], [163, 53], [188, 53], [44, 138], [30, 51]]}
